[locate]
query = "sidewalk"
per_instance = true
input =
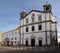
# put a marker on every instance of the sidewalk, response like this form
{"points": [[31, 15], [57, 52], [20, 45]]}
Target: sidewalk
{"points": [[30, 48]]}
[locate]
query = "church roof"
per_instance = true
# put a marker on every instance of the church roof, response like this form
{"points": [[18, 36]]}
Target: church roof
{"points": [[36, 11]]}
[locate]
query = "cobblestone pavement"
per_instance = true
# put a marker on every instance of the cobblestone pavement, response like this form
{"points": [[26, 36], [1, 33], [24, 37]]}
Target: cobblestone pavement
{"points": [[30, 50]]}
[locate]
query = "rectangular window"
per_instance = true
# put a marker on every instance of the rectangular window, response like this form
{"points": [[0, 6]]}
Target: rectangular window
{"points": [[15, 42], [33, 28], [26, 29], [15, 32], [32, 19], [40, 27], [12, 33], [11, 38], [15, 38], [39, 17], [27, 20], [9, 34], [33, 16]]}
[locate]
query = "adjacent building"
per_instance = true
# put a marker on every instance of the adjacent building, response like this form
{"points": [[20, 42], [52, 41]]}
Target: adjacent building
{"points": [[11, 37], [38, 28]]}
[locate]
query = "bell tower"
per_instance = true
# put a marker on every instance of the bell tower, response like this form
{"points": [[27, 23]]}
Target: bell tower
{"points": [[23, 14], [47, 7]]}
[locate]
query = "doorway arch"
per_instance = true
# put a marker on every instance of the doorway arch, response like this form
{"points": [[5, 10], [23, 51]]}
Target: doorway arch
{"points": [[40, 41], [26, 41], [6, 41], [33, 40]]}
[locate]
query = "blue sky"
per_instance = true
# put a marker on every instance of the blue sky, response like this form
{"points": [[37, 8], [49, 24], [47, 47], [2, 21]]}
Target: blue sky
{"points": [[10, 11]]}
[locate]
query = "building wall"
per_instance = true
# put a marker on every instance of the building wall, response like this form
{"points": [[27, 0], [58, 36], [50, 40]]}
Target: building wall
{"points": [[49, 28], [37, 35], [12, 37], [36, 22]]}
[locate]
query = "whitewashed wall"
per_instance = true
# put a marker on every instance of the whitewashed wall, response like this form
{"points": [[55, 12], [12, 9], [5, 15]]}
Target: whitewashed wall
{"points": [[45, 17], [9, 36]]}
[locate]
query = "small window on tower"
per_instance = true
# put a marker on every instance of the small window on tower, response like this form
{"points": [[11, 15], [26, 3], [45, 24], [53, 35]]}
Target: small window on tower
{"points": [[47, 8]]}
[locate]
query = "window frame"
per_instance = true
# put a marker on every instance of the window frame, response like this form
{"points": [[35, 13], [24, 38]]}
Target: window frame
{"points": [[33, 17], [40, 27], [27, 29], [33, 28], [11, 38], [15, 42], [26, 20], [12, 33], [15, 38], [15, 33], [40, 17]]}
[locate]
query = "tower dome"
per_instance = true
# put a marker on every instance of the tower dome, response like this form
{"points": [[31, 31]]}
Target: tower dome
{"points": [[47, 7], [23, 14]]}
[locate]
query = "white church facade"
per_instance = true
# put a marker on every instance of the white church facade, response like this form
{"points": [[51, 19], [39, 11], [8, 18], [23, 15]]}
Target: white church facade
{"points": [[38, 28]]}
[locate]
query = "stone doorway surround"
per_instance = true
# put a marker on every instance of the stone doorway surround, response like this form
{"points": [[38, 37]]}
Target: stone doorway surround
{"points": [[6, 41], [26, 41], [40, 41], [33, 41]]}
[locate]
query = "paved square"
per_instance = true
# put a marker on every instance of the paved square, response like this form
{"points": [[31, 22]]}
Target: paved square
{"points": [[16, 50]]}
